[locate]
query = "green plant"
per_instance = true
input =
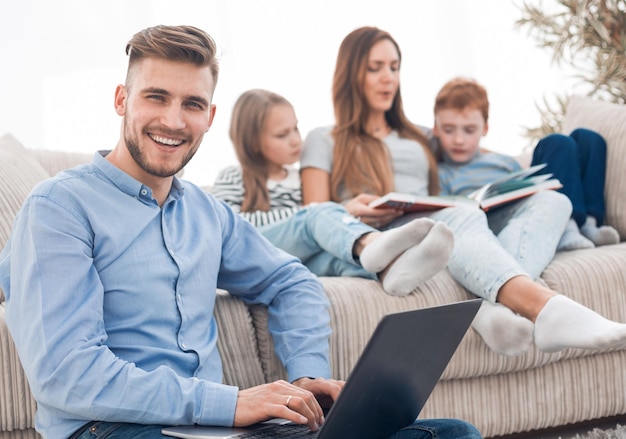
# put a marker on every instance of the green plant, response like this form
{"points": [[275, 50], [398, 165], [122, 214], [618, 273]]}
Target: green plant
{"points": [[588, 35]]}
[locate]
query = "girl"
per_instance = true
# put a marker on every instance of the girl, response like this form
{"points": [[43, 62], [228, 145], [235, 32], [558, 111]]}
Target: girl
{"points": [[265, 189], [373, 149]]}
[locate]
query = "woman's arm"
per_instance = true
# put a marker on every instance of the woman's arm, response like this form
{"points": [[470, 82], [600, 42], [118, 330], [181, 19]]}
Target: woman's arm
{"points": [[316, 189], [315, 185], [315, 165]]}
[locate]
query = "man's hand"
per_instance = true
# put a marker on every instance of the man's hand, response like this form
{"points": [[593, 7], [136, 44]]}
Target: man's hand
{"points": [[325, 391], [296, 402]]}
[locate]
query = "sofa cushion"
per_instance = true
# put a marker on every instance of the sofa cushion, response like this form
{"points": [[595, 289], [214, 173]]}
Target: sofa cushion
{"points": [[237, 343], [56, 161], [609, 120]]}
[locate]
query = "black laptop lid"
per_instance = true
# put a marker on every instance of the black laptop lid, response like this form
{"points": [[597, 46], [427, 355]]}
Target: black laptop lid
{"points": [[397, 371]]}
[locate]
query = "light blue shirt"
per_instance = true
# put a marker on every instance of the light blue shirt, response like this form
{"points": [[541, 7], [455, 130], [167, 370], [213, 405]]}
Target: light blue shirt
{"points": [[483, 168], [110, 300]]}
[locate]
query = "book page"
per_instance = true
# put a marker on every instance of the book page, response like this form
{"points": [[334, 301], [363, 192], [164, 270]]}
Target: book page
{"points": [[483, 192]]}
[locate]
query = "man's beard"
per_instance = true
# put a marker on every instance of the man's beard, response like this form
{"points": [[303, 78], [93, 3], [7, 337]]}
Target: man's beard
{"points": [[133, 148]]}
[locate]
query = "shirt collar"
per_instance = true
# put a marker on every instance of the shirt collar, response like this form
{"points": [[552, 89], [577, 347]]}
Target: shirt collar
{"points": [[128, 184], [446, 158]]}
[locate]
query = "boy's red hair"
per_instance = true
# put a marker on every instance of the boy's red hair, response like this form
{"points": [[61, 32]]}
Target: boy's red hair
{"points": [[461, 93]]}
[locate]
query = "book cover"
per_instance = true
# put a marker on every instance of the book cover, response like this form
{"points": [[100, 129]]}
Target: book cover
{"points": [[502, 198], [505, 190], [414, 203]]}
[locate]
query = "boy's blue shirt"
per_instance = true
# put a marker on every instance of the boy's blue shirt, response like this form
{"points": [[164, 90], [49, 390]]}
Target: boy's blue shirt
{"points": [[483, 168]]}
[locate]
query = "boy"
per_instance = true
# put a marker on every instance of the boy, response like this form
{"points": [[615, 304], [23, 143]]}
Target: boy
{"points": [[461, 120], [529, 229]]}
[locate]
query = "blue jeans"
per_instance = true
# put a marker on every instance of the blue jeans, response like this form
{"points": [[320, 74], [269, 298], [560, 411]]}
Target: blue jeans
{"points": [[579, 162], [421, 429], [437, 429], [530, 229], [517, 239], [119, 430], [322, 236]]}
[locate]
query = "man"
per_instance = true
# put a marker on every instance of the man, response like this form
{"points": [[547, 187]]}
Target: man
{"points": [[111, 271]]}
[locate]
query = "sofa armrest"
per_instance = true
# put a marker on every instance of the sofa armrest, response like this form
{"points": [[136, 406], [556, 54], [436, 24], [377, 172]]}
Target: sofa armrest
{"points": [[56, 161], [17, 406], [237, 342]]}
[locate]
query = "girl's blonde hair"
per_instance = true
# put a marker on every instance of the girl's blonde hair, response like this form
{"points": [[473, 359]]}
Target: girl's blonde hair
{"points": [[361, 162], [246, 129]]}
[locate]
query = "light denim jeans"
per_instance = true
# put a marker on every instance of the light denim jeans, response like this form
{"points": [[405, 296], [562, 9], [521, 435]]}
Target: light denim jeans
{"points": [[421, 429], [322, 236], [516, 239]]}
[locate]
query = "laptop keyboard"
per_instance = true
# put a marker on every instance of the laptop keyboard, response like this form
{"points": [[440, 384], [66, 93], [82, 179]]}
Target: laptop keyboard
{"points": [[289, 431]]}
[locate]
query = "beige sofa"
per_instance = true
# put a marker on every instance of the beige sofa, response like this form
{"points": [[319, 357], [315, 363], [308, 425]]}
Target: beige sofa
{"points": [[500, 395]]}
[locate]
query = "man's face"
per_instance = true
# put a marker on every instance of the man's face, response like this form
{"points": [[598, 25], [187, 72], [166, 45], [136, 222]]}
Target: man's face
{"points": [[167, 110], [459, 132]]}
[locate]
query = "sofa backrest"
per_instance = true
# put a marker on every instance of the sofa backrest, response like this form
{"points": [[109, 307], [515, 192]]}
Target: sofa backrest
{"points": [[20, 170]]}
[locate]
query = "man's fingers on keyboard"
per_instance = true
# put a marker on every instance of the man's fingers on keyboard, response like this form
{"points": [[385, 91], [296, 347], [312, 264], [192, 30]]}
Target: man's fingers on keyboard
{"points": [[301, 410]]}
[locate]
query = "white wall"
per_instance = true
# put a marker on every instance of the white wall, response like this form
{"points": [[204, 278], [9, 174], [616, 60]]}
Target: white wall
{"points": [[61, 60]]}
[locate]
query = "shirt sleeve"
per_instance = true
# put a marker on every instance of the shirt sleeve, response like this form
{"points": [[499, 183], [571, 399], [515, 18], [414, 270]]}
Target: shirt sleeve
{"points": [[433, 141], [445, 174], [317, 150]]}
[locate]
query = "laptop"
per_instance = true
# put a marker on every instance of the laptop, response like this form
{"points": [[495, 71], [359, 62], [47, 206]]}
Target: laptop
{"points": [[389, 384]]}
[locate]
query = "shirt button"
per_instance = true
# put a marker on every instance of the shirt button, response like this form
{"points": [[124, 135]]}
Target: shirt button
{"points": [[183, 345], [144, 192]]}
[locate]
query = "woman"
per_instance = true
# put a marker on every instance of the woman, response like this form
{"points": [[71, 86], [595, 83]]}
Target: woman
{"points": [[373, 149]]}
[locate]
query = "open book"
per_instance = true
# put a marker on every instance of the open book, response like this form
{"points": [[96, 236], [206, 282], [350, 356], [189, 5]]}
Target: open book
{"points": [[509, 188]]}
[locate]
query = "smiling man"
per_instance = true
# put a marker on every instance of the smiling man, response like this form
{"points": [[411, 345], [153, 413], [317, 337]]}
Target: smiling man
{"points": [[166, 109], [111, 272]]}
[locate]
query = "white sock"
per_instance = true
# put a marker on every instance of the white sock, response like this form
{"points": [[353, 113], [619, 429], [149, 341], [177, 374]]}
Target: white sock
{"points": [[603, 235], [572, 239], [390, 244], [420, 262], [563, 323], [504, 331]]}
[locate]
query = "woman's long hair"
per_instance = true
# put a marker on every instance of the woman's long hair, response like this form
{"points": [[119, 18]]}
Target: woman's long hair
{"points": [[246, 128], [361, 162]]}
